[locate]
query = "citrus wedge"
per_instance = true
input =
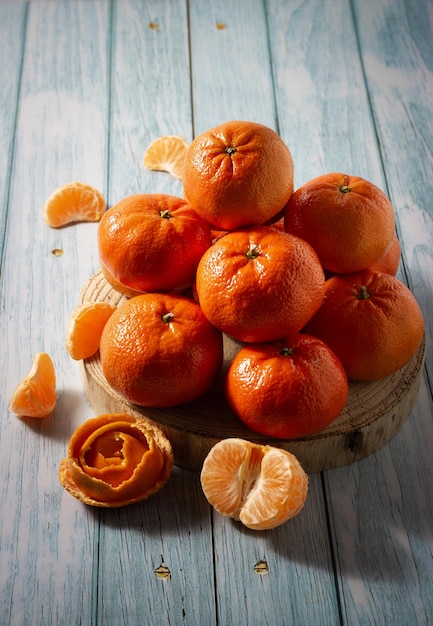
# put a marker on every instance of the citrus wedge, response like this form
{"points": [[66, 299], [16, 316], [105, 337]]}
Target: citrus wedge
{"points": [[85, 327], [74, 202], [167, 154], [35, 396]]}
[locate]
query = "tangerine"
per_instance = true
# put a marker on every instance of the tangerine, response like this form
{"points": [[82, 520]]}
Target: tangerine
{"points": [[160, 350], [85, 327], [259, 284], [261, 486], [371, 321], [346, 219], [238, 174], [390, 262], [74, 202], [35, 396], [290, 388], [151, 242], [115, 460]]}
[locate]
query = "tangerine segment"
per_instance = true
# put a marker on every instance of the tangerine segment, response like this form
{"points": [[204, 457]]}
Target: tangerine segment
{"points": [[85, 328], [114, 460], [74, 202], [35, 396], [261, 486], [166, 154]]}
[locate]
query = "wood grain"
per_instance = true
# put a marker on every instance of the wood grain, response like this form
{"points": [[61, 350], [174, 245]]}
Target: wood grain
{"points": [[85, 86]]}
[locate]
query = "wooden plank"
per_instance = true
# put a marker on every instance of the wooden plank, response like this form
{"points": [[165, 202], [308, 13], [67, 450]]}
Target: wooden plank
{"points": [[150, 92], [323, 108], [232, 79], [48, 538], [283, 576], [156, 558], [231, 75], [151, 97], [12, 25], [399, 70], [387, 578]]}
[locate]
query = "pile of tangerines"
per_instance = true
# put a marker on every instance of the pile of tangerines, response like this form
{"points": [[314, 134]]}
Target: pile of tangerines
{"points": [[304, 279]]}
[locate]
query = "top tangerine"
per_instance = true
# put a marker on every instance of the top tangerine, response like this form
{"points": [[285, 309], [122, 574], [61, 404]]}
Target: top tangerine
{"points": [[238, 174]]}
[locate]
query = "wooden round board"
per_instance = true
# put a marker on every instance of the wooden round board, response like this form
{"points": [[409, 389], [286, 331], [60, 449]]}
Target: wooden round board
{"points": [[374, 413]]}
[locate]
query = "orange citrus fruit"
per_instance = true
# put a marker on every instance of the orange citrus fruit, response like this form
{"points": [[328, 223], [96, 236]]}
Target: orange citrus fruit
{"points": [[35, 396], [238, 174], [290, 388], [261, 486], [160, 350], [346, 219], [85, 327], [390, 262], [115, 460], [371, 321], [259, 284], [167, 154], [151, 242], [74, 202]]}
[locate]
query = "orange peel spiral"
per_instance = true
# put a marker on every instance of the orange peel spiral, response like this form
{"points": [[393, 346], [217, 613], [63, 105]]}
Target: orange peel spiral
{"points": [[114, 460]]}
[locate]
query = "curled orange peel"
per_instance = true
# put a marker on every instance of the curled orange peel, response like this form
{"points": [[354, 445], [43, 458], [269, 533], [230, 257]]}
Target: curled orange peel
{"points": [[114, 460]]}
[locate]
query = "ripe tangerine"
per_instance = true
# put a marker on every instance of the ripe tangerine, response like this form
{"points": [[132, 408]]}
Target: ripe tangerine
{"points": [[238, 174]]}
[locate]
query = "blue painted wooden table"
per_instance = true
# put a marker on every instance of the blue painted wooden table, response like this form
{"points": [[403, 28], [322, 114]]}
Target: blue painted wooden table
{"points": [[85, 86]]}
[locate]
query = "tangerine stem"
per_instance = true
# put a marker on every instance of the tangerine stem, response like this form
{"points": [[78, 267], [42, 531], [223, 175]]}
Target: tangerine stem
{"points": [[167, 317], [286, 351], [345, 189], [363, 293], [252, 252], [230, 150], [165, 214]]}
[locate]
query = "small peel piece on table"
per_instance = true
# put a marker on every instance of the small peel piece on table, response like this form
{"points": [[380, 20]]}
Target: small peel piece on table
{"points": [[115, 460]]}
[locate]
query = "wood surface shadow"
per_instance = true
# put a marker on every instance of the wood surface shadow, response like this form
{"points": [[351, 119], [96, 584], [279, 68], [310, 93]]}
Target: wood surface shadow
{"points": [[180, 507], [63, 420]]}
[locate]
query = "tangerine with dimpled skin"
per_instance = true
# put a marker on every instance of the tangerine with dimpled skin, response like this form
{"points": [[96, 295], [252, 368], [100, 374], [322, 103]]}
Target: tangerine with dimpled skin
{"points": [[346, 219], [259, 284], [372, 322], [160, 350], [151, 242], [238, 174], [290, 388]]}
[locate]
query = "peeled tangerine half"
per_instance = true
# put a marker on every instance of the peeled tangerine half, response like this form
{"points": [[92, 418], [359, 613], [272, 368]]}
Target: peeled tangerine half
{"points": [[114, 460], [261, 486]]}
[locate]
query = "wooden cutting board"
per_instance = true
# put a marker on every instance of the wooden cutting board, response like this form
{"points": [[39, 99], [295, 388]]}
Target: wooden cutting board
{"points": [[374, 413]]}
